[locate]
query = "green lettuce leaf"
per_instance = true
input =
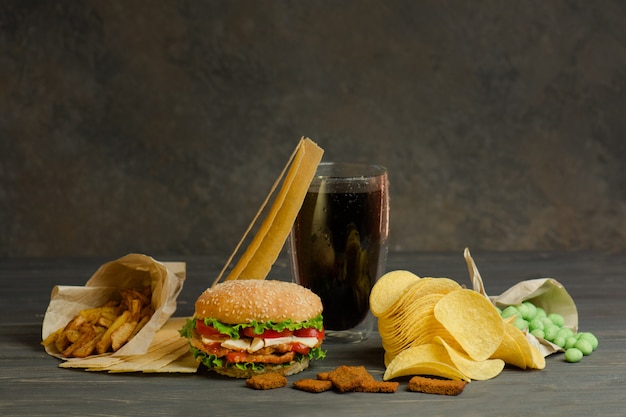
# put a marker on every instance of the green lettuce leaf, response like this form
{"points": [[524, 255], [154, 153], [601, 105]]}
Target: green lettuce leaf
{"points": [[187, 329], [232, 330], [212, 361], [208, 360]]}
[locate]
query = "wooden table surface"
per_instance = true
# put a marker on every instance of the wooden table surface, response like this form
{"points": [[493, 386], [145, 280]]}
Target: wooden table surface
{"points": [[31, 383]]}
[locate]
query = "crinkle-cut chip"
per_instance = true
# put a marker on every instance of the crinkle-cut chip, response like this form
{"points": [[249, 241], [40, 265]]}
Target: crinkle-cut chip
{"points": [[477, 370], [472, 320], [414, 292], [429, 359], [389, 288]]}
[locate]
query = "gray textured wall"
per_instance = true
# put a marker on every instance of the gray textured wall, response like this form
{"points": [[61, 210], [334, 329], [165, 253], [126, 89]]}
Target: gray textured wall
{"points": [[159, 126]]}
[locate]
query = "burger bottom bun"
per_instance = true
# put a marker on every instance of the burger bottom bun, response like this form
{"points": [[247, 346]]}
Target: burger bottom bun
{"points": [[292, 369]]}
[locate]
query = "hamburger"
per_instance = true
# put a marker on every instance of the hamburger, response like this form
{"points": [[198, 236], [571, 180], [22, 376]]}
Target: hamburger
{"points": [[242, 328]]}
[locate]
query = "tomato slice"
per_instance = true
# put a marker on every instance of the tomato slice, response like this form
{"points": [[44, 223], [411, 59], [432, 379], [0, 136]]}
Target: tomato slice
{"points": [[267, 334], [299, 348], [310, 332], [208, 331], [236, 357]]}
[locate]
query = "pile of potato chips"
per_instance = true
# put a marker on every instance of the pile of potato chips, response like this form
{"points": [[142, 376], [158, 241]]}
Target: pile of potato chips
{"points": [[434, 326]]}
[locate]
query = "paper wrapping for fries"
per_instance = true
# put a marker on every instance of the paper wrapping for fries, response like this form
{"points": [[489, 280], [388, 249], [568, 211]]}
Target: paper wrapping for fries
{"points": [[130, 271], [546, 293]]}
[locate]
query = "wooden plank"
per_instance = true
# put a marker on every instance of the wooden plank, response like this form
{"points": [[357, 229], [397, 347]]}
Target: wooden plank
{"points": [[31, 383]]}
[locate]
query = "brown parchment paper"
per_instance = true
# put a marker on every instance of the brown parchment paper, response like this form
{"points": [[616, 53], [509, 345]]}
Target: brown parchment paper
{"points": [[130, 271], [546, 293]]}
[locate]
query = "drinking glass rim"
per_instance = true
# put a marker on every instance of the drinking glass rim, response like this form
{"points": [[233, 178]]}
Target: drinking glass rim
{"points": [[349, 170]]}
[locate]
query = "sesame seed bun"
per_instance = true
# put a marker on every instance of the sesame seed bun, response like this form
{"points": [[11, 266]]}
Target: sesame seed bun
{"points": [[244, 301]]}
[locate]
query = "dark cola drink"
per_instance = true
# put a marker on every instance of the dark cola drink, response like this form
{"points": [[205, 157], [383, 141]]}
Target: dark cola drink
{"points": [[338, 245]]}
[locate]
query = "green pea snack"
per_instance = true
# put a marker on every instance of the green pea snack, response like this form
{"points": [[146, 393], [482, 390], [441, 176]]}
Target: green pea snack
{"points": [[573, 355], [550, 327], [542, 309]]}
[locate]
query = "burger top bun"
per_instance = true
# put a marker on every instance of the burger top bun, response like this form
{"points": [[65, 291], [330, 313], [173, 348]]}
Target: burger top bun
{"points": [[244, 301]]}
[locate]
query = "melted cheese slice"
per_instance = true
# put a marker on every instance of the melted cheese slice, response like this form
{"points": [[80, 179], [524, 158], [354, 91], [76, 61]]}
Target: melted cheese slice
{"points": [[306, 341]]}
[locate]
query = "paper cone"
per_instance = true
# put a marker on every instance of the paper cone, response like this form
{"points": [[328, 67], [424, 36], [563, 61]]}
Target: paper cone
{"points": [[130, 271], [546, 293]]}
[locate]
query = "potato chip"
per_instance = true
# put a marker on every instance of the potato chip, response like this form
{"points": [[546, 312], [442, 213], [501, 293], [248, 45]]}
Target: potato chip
{"points": [[538, 360], [410, 320], [423, 330], [525, 356], [472, 321], [421, 288], [428, 359], [411, 327], [510, 351], [389, 288], [478, 370], [433, 326]]}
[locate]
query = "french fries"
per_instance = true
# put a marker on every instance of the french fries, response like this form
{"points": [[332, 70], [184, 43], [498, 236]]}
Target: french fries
{"points": [[104, 329]]}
